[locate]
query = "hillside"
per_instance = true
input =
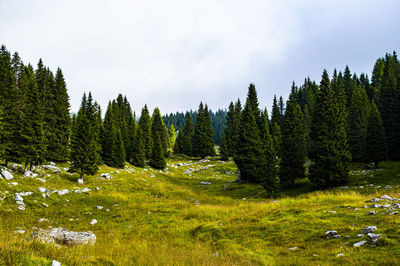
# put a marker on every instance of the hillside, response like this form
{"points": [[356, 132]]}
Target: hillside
{"points": [[199, 216]]}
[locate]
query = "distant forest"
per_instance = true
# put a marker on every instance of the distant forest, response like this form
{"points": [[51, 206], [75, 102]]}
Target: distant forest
{"points": [[316, 133]]}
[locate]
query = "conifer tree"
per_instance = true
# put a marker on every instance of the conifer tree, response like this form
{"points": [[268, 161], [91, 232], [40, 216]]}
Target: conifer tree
{"points": [[203, 144], [375, 148], [85, 146], [348, 85], [145, 125], [139, 156], [172, 137], [357, 122], [60, 129], [185, 137], [157, 128], [276, 137], [33, 134], [293, 144], [329, 151], [157, 156], [276, 116], [224, 149]]}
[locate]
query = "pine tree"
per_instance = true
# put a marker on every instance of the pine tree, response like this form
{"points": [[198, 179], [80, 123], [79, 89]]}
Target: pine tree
{"points": [[185, 137], [375, 148], [145, 125], [157, 156], [348, 85], [357, 122], [329, 152], [139, 157], [33, 134], [85, 146], [203, 144], [172, 137], [293, 144], [157, 128], [389, 106], [224, 148], [276, 116], [276, 137], [60, 129]]}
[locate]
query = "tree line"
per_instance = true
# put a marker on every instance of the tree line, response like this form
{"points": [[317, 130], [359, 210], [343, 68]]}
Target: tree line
{"points": [[344, 118]]}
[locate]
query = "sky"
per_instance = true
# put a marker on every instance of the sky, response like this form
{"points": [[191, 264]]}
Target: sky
{"points": [[173, 54]]}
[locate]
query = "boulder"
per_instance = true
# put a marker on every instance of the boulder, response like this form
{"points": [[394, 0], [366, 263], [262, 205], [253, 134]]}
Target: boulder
{"points": [[386, 197], [63, 236], [30, 174], [106, 175], [80, 181], [94, 221], [331, 233], [6, 174], [369, 229], [55, 263], [374, 237], [359, 244]]}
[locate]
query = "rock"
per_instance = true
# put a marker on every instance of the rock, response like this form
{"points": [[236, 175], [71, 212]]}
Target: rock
{"points": [[360, 235], [19, 231], [80, 181], [331, 233], [106, 175], [63, 236], [94, 221], [18, 197], [375, 200], [6, 174], [21, 208], [386, 206], [188, 171], [331, 212], [42, 190], [52, 164], [293, 248], [179, 164], [14, 183], [45, 205], [41, 180], [392, 213], [372, 213], [340, 255], [337, 236], [62, 192], [30, 174], [376, 206], [359, 244], [344, 188], [86, 190], [52, 168], [369, 229], [55, 263], [205, 183], [386, 197], [374, 237], [43, 220], [24, 194], [99, 207]]}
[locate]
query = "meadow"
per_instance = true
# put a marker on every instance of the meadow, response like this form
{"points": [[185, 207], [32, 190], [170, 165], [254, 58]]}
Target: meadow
{"points": [[200, 216]]}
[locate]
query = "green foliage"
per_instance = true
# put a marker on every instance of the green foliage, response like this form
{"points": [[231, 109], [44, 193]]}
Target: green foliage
{"points": [[329, 151], [224, 149], [157, 128], [85, 145], [185, 137], [375, 148], [357, 123], [293, 143], [138, 158], [145, 125], [157, 156], [203, 144]]}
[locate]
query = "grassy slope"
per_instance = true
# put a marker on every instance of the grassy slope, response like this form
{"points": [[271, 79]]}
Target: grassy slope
{"points": [[168, 217]]}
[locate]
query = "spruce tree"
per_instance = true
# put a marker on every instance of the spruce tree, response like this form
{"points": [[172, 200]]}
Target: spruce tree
{"points": [[157, 156], [157, 128], [329, 151], [293, 144], [145, 125], [172, 137], [357, 122], [139, 156], [276, 137], [203, 144], [85, 146], [224, 148], [375, 148], [185, 137], [276, 116]]}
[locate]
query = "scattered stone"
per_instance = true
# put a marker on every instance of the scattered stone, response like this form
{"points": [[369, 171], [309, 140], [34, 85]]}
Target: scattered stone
{"points": [[360, 235], [80, 181], [386, 197], [331, 233], [197, 202], [42, 190], [188, 171], [372, 213], [30, 174], [6, 174], [216, 254], [41, 180], [55, 263], [375, 200], [61, 192], [376, 206], [52, 168], [43, 220], [94, 221], [99, 207], [374, 237], [359, 244], [44, 204], [244, 199], [106, 175], [205, 183], [337, 236], [331, 211], [392, 213], [340, 255], [14, 183], [19, 231], [63, 236], [21, 208], [179, 164], [369, 229], [344, 188], [292, 249]]}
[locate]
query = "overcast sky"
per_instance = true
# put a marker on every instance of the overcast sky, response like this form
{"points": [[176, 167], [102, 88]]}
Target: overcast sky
{"points": [[174, 54]]}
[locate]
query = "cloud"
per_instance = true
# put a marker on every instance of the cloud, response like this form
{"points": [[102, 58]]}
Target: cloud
{"points": [[174, 54]]}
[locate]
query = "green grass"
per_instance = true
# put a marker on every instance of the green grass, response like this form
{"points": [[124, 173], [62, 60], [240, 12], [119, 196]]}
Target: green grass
{"points": [[168, 217]]}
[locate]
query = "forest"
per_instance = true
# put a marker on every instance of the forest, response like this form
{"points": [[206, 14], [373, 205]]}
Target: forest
{"points": [[315, 134]]}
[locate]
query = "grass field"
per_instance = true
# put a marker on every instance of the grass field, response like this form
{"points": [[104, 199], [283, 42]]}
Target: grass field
{"points": [[168, 217]]}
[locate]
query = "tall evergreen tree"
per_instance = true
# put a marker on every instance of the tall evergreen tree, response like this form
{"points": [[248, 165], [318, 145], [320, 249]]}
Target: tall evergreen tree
{"points": [[357, 122], [185, 137], [157, 156], [139, 157], [203, 144], [293, 144], [145, 125], [85, 146], [375, 148], [329, 152], [157, 128]]}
